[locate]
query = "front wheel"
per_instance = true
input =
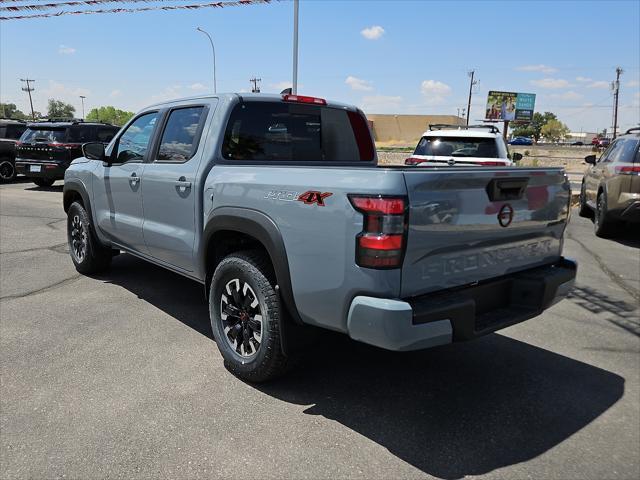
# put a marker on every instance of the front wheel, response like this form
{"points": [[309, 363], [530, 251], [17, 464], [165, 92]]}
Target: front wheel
{"points": [[87, 254], [43, 182], [7, 170], [246, 317]]}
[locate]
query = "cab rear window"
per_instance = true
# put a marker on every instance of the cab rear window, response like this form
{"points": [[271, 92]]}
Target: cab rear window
{"points": [[458, 147], [285, 132]]}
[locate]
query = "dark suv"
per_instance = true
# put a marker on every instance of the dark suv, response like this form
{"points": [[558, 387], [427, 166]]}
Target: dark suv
{"points": [[10, 132], [46, 149]]}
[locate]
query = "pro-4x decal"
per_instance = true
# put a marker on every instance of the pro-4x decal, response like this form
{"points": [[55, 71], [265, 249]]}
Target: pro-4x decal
{"points": [[312, 196]]}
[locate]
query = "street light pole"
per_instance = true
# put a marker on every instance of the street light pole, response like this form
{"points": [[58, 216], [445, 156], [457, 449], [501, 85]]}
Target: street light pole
{"points": [[213, 50], [82, 97], [294, 90]]}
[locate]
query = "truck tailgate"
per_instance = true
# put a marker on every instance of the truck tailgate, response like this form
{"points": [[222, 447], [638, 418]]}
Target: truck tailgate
{"points": [[467, 225]]}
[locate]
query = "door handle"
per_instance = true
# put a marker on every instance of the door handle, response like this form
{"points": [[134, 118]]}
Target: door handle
{"points": [[182, 183], [134, 179]]}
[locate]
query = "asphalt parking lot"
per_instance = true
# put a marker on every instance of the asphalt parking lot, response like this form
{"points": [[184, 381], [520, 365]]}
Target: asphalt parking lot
{"points": [[117, 376]]}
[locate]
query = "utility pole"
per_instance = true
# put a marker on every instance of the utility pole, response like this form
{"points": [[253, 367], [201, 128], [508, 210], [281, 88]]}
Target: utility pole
{"points": [[616, 94], [256, 87], [213, 50], [471, 84], [29, 89], [294, 89], [82, 97]]}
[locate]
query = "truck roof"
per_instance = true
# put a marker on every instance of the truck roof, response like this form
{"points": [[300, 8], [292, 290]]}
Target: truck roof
{"points": [[454, 132], [254, 97]]}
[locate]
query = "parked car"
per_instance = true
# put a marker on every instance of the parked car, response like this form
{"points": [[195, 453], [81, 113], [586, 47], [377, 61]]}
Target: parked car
{"points": [[610, 188], [595, 141], [604, 142], [458, 145], [46, 149], [10, 132], [521, 141], [402, 258], [577, 143]]}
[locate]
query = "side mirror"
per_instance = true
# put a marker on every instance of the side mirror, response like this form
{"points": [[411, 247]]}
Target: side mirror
{"points": [[516, 157], [591, 159], [94, 151]]}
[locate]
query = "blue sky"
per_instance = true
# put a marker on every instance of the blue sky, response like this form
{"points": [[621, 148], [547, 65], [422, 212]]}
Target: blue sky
{"points": [[385, 56]]}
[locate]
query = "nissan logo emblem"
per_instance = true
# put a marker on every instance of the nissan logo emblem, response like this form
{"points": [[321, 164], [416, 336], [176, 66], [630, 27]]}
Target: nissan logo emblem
{"points": [[451, 162], [505, 215]]}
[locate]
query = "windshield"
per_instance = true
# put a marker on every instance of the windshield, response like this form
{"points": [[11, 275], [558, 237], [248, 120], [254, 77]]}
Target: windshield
{"points": [[33, 135], [270, 131], [458, 147]]}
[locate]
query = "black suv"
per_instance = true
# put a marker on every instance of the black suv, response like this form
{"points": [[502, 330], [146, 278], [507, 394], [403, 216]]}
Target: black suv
{"points": [[10, 132], [46, 149]]}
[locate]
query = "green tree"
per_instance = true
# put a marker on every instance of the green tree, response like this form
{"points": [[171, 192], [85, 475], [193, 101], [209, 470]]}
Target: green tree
{"points": [[534, 128], [555, 130], [9, 110], [109, 114], [59, 109]]}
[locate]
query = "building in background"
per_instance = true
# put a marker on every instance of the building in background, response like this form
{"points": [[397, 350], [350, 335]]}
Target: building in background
{"points": [[389, 129]]}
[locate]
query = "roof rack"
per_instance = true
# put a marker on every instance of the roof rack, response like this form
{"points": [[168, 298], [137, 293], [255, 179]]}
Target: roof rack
{"points": [[634, 129], [441, 126]]}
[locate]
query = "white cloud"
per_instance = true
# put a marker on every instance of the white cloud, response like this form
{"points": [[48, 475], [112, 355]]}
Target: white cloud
{"points": [[434, 91], [550, 83], [599, 84], [537, 68], [584, 79], [372, 33], [197, 87], [115, 93], [632, 83], [358, 84], [169, 93], [64, 50], [570, 95], [381, 103]]}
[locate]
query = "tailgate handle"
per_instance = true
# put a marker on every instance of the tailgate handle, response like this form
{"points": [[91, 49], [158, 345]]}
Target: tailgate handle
{"points": [[500, 189]]}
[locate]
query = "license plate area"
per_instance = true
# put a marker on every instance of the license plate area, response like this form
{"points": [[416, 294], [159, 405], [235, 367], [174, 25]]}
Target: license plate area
{"points": [[35, 168]]}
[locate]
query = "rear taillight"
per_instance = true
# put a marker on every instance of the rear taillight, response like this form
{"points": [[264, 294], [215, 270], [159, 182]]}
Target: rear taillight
{"points": [[304, 99], [628, 170], [492, 164], [413, 161], [382, 242]]}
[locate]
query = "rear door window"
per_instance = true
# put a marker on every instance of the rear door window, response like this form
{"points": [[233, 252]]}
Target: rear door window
{"points": [[181, 135], [82, 133], [106, 134], [626, 151], [286, 132]]}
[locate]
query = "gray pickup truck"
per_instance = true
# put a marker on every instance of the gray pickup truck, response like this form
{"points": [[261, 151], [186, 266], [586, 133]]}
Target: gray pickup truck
{"points": [[276, 204]]}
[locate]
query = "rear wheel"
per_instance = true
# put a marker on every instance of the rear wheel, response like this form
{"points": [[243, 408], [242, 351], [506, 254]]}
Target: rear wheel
{"points": [[584, 211], [87, 253], [246, 317], [7, 170], [604, 225], [43, 182]]}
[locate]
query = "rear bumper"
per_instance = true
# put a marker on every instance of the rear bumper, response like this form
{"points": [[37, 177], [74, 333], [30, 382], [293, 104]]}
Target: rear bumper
{"points": [[49, 170], [459, 314]]}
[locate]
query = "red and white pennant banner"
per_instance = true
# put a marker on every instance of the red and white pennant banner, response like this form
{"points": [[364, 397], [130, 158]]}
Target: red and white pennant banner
{"points": [[76, 3]]}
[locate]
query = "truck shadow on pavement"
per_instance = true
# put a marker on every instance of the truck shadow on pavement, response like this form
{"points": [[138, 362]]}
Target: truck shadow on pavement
{"points": [[463, 409]]}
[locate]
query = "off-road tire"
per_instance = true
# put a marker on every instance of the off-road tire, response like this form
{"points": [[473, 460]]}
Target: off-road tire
{"points": [[95, 257], [43, 182], [268, 361]]}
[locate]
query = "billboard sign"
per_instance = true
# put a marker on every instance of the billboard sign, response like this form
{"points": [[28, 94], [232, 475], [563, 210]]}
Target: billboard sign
{"points": [[510, 106]]}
